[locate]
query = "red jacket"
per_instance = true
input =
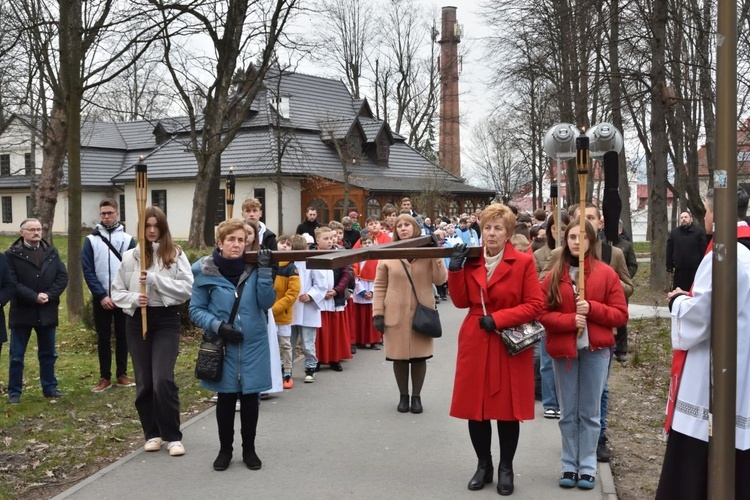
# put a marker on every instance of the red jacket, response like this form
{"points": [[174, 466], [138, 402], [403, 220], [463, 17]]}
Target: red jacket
{"points": [[608, 310], [490, 384]]}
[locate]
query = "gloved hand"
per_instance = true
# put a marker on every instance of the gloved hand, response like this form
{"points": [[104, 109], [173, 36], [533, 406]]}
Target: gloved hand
{"points": [[378, 323], [230, 334], [264, 258], [460, 251], [487, 324]]}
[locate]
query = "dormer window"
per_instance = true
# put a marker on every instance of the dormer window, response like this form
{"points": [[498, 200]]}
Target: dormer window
{"points": [[383, 149], [280, 105]]}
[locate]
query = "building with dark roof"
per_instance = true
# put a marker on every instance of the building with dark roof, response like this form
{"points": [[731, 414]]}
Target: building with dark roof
{"points": [[290, 152]]}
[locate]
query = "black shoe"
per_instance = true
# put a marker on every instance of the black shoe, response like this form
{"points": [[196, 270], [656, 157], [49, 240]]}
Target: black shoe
{"points": [[55, 394], [14, 399], [374, 347], [603, 453], [251, 460], [622, 358], [416, 404], [222, 460], [505, 480], [353, 349], [403, 404], [317, 367], [335, 366], [483, 475]]}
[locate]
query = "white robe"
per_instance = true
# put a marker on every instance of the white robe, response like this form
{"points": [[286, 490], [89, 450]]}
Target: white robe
{"points": [[277, 383], [691, 331]]}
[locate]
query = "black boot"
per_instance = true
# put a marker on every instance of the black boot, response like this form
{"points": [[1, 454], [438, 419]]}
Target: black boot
{"points": [[222, 461], [403, 404], [505, 479], [416, 404], [483, 475]]}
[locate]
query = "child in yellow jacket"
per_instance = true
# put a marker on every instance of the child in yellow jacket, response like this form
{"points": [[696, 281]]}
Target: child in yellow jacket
{"points": [[287, 287]]}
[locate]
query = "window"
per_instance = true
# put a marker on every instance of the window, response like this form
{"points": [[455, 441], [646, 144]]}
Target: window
{"points": [[338, 210], [4, 165], [29, 207], [453, 210], [29, 164], [384, 149], [373, 208], [7, 210], [469, 207], [122, 208], [221, 213], [481, 204], [260, 195], [322, 208], [159, 198]]}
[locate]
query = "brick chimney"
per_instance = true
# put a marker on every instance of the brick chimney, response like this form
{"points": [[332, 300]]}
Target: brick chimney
{"points": [[450, 133]]}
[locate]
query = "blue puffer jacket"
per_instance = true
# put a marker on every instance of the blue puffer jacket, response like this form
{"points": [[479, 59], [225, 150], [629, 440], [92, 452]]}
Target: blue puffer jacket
{"points": [[247, 366]]}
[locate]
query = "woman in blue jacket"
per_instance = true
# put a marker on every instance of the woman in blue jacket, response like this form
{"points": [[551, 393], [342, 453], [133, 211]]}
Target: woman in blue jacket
{"points": [[247, 370]]}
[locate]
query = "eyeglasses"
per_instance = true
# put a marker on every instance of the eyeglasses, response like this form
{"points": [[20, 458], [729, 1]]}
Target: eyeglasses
{"points": [[32, 229], [107, 214]]}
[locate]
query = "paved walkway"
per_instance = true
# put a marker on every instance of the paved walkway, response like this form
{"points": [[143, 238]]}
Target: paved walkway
{"points": [[341, 437]]}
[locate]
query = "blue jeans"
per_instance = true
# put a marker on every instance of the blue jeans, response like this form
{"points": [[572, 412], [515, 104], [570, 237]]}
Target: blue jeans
{"points": [[308, 334], [19, 339], [549, 394], [605, 403], [580, 383]]}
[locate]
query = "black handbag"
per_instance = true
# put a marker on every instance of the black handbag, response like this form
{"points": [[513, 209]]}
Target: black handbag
{"points": [[518, 338], [426, 319], [210, 360]]}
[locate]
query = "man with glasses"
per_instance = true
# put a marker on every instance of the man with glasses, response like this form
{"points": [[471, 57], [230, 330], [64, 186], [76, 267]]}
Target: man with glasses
{"points": [[100, 260], [41, 278]]}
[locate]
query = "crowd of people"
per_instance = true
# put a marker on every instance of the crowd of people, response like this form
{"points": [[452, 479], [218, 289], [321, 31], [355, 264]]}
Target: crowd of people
{"points": [[530, 268]]}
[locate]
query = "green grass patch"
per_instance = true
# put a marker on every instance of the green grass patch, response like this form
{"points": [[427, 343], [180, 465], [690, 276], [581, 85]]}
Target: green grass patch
{"points": [[642, 247]]}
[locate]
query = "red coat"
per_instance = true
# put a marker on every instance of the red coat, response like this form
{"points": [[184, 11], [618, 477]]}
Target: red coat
{"points": [[490, 384], [608, 310]]}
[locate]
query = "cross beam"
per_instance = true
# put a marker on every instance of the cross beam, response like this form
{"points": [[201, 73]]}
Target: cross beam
{"points": [[413, 248]]}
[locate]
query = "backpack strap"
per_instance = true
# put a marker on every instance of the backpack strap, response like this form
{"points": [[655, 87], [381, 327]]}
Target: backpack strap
{"points": [[109, 244], [606, 253]]}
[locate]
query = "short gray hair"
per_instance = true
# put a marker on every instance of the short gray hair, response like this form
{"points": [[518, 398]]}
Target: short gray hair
{"points": [[30, 219]]}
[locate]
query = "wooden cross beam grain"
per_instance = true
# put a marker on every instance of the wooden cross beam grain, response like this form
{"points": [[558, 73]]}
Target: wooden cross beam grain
{"points": [[413, 248]]}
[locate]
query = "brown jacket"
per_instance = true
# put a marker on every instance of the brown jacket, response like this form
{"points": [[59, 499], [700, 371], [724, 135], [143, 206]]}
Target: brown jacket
{"points": [[395, 301], [617, 262]]}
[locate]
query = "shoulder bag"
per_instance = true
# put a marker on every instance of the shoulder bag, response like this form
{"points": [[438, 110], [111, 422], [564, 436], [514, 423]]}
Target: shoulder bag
{"points": [[426, 319], [210, 360], [518, 338]]}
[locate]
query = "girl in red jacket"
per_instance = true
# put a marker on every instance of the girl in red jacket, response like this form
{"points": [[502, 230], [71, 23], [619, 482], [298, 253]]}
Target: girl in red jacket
{"points": [[581, 361]]}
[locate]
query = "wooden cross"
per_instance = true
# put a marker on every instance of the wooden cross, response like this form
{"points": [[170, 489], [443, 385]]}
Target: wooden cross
{"points": [[413, 248]]}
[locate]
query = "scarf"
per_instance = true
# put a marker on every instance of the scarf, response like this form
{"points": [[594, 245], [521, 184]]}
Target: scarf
{"points": [[490, 263], [231, 269], [111, 227]]}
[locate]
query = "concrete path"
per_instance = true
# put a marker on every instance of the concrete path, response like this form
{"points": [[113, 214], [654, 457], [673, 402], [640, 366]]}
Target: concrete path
{"points": [[341, 437], [638, 311]]}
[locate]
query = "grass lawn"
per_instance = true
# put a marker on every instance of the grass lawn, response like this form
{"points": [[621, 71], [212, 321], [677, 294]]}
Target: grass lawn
{"points": [[46, 445]]}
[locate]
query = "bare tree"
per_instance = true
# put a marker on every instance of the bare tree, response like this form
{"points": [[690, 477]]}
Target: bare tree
{"points": [[498, 161], [347, 37], [238, 32]]}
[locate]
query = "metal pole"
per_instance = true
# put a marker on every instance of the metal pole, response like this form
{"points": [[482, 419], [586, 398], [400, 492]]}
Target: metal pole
{"points": [[721, 442]]}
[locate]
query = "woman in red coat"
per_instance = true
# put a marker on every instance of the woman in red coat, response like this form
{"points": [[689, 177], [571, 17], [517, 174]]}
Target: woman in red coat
{"points": [[501, 290], [581, 360]]}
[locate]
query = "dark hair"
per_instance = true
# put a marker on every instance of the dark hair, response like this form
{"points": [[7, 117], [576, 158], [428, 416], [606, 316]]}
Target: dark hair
{"points": [[540, 214], [548, 230], [168, 251], [513, 209], [109, 202], [742, 201]]}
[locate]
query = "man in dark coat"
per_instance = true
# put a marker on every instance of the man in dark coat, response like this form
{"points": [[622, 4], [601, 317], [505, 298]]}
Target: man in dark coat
{"points": [[686, 247], [310, 224], [7, 289], [41, 278]]}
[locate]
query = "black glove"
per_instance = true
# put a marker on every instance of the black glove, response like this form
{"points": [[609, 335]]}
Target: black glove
{"points": [[230, 334], [487, 324], [460, 251], [264, 258], [378, 323], [670, 270]]}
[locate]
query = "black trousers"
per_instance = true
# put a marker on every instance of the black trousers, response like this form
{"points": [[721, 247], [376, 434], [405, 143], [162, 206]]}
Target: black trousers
{"points": [[621, 338], [683, 278], [684, 474], [157, 395], [103, 322]]}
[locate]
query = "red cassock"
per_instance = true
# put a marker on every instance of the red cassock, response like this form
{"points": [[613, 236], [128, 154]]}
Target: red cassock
{"points": [[489, 383]]}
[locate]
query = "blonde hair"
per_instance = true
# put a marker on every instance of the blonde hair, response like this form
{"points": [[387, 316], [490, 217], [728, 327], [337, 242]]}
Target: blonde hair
{"points": [[299, 242], [411, 220], [322, 230], [251, 203], [519, 242], [228, 227], [255, 245], [499, 211]]}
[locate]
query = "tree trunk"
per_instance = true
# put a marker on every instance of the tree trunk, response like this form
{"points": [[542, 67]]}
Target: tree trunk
{"points": [[55, 148], [657, 168]]}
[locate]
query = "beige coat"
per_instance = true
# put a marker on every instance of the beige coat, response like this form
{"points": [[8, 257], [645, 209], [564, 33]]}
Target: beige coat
{"points": [[395, 301]]}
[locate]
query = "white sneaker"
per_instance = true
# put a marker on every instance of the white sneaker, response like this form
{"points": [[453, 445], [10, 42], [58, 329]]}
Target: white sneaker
{"points": [[175, 448], [153, 444]]}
